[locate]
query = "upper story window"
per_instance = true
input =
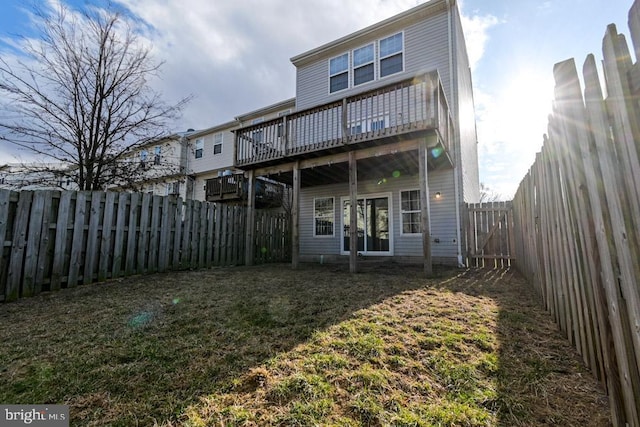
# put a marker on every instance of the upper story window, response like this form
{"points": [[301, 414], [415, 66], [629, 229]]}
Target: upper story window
{"points": [[391, 55], [363, 70], [257, 134], [144, 154], [345, 73], [199, 148], [339, 73], [157, 154], [217, 143]]}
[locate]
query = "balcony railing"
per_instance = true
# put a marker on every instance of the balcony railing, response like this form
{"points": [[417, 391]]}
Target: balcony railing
{"points": [[234, 188], [408, 106]]}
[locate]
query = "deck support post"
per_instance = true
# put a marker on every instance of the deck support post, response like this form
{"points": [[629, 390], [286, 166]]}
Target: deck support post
{"points": [[251, 219], [353, 222], [295, 217], [424, 208]]}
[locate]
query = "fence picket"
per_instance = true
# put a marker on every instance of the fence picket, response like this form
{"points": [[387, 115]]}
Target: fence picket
{"points": [[119, 238], [585, 232], [60, 239], [132, 235], [5, 198]]}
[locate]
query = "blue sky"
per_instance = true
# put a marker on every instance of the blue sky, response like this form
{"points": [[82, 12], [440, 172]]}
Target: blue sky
{"points": [[234, 57]]}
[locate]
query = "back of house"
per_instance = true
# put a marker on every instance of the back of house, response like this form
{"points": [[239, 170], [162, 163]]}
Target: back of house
{"points": [[368, 104]]}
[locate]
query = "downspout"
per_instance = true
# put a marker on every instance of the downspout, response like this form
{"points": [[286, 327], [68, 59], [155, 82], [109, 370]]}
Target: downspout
{"points": [[457, 158]]}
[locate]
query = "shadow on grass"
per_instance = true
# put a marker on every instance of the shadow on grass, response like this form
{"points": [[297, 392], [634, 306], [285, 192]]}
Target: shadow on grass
{"points": [[541, 379], [383, 347], [140, 350]]}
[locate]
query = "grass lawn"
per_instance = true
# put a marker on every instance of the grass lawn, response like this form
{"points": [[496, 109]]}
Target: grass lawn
{"points": [[318, 346]]}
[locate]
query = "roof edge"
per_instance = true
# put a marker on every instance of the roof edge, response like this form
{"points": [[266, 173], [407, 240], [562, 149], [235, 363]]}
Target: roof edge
{"points": [[427, 7]]}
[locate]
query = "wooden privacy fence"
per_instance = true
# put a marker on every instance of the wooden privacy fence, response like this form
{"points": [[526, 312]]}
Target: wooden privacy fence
{"points": [[490, 234], [54, 239], [577, 216]]}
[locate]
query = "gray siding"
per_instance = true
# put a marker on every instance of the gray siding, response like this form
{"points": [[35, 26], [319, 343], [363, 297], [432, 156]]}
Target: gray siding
{"points": [[468, 153], [209, 161], [443, 216], [425, 49]]}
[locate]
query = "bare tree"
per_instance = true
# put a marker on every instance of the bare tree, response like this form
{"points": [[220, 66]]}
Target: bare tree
{"points": [[487, 194], [80, 96]]}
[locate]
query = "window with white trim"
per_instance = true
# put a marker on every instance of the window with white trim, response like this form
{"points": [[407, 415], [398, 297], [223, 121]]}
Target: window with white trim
{"points": [[257, 134], [363, 68], [339, 73], [157, 155], [199, 148], [323, 216], [410, 213], [391, 55], [217, 143]]}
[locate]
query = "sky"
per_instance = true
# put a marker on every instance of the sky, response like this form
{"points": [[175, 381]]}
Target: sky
{"points": [[233, 56]]}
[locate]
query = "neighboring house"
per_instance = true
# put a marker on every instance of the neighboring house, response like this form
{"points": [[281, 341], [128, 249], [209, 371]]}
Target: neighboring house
{"points": [[212, 156], [209, 155], [380, 149], [157, 167], [37, 176]]}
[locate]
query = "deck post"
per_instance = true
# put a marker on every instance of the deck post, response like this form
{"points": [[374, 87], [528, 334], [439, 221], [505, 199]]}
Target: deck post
{"points": [[295, 217], [251, 218], [424, 208], [353, 223]]}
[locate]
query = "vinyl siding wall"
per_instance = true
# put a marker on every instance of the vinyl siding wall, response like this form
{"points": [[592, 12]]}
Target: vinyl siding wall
{"points": [[443, 219], [425, 49], [468, 154], [209, 161]]}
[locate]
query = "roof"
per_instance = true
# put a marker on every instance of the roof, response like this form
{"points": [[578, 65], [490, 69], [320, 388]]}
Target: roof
{"points": [[287, 103], [415, 14], [216, 128]]}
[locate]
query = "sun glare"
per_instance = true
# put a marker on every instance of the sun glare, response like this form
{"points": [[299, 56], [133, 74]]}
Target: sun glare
{"points": [[527, 100]]}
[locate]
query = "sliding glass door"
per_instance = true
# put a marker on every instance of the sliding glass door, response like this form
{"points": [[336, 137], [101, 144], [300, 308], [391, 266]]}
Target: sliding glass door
{"points": [[373, 221]]}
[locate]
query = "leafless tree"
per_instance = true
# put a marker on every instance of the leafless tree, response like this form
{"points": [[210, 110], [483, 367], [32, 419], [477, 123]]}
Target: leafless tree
{"points": [[80, 95], [488, 195]]}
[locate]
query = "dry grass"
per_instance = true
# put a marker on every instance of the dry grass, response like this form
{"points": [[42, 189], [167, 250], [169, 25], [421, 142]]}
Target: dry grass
{"points": [[318, 346]]}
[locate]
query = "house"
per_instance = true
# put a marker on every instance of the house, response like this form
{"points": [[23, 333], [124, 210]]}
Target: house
{"points": [[156, 167], [212, 155], [37, 176], [381, 147]]}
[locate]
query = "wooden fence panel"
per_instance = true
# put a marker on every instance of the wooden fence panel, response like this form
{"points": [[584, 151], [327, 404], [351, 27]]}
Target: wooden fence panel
{"points": [[53, 240], [5, 216], [489, 234], [577, 218]]}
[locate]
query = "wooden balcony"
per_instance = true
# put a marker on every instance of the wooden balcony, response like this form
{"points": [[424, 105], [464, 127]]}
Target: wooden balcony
{"points": [[397, 111], [233, 188]]}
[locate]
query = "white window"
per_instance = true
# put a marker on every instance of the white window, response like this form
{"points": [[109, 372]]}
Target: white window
{"points": [[173, 188], [199, 148], [257, 134], [363, 70], [391, 55], [339, 73], [410, 212], [323, 216], [217, 143]]}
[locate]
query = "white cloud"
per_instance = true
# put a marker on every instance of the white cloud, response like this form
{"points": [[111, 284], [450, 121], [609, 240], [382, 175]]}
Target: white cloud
{"points": [[476, 31], [234, 55]]}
